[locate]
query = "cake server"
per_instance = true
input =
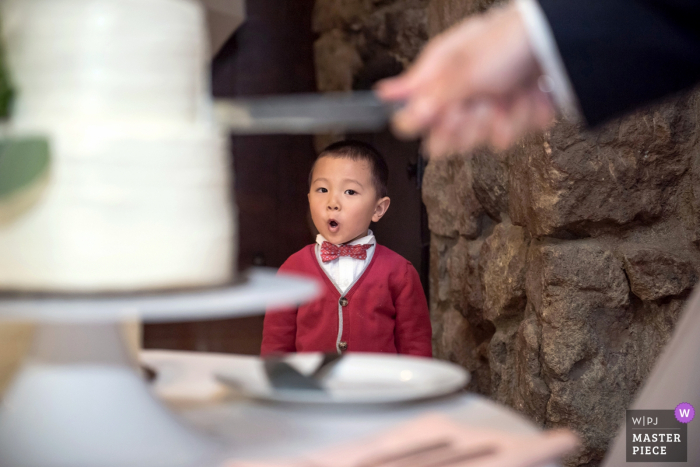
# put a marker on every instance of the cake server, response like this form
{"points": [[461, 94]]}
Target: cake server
{"points": [[337, 112], [282, 375]]}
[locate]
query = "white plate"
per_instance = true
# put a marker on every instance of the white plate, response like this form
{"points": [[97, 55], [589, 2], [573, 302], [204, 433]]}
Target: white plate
{"points": [[357, 378]]}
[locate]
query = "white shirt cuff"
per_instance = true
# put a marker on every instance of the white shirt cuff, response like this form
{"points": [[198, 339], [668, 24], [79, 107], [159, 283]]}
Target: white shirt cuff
{"points": [[545, 50]]}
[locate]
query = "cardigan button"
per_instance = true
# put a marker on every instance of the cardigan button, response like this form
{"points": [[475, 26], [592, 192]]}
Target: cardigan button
{"points": [[343, 346], [344, 301]]}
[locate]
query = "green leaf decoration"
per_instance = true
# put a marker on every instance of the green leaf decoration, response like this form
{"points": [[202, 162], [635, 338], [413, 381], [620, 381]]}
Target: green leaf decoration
{"points": [[22, 161], [6, 91]]}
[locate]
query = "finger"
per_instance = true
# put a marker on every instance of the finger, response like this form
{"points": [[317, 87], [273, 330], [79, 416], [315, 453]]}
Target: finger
{"points": [[452, 85], [501, 135], [415, 117], [550, 447], [436, 145], [523, 114], [428, 92], [444, 138], [410, 82], [456, 130], [536, 452], [432, 147], [516, 122], [419, 76], [394, 89], [479, 129], [543, 111], [441, 76], [471, 134], [470, 137]]}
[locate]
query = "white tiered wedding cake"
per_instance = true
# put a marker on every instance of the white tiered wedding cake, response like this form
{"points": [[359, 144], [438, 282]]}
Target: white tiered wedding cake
{"points": [[138, 193]]}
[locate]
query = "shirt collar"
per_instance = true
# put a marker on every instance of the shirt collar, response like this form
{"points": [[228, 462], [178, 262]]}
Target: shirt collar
{"points": [[369, 238]]}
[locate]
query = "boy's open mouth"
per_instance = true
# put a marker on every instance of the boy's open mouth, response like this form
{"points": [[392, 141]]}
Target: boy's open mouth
{"points": [[333, 225]]}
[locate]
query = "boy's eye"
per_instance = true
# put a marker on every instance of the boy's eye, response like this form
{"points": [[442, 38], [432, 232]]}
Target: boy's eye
{"points": [[350, 192], [322, 190]]}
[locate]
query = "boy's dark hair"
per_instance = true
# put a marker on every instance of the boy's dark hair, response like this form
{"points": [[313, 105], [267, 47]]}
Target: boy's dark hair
{"points": [[360, 151]]}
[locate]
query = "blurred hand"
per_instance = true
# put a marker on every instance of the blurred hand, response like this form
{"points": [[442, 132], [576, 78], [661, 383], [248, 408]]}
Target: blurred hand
{"points": [[474, 84], [516, 451]]}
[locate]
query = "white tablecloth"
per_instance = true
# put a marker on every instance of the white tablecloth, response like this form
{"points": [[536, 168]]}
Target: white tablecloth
{"points": [[258, 430]]}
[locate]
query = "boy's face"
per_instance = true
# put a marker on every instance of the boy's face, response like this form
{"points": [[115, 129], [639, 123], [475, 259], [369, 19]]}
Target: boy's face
{"points": [[343, 200]]}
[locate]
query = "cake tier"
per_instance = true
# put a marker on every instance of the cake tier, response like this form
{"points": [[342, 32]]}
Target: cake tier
{"points": [[108, 60], [124, 208]]}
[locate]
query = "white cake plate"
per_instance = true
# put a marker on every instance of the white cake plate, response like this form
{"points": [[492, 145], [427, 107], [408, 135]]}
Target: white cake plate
{"points": [[79, 401], [261, 289]]}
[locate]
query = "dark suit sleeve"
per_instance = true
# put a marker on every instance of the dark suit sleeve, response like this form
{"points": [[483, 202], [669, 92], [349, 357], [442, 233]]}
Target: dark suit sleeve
{"points": [[621, 54], [413, 333]]}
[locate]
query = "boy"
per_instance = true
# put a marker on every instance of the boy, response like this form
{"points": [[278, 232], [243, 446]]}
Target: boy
{"points": [[372, 299]]}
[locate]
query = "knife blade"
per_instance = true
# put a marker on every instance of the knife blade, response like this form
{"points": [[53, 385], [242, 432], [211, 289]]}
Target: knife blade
{"points": [[338, 112], [282, 375]]}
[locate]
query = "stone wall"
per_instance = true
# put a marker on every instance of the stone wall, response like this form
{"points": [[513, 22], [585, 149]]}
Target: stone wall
{"points": [[560, 280], [361, 41], [559, 267]]}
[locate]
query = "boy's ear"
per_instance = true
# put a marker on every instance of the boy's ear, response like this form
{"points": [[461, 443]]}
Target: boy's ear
{"points": [[381, 208]]}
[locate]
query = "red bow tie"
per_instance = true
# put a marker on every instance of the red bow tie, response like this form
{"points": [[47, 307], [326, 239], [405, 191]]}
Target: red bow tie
{"points": [[329, 252]]}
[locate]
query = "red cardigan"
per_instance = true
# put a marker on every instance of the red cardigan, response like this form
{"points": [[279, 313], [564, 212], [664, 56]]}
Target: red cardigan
{"points": [[384, 311]]}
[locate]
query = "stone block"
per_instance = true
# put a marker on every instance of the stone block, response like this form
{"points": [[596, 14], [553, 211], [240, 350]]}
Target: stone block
{"points": [[598, 388], [337, 61], [440, 284], [445, 13], [339, 14], [593, 405], [502, 361], [595, 342], [531, 392], [568, 182], [462, 269], [460, 285], [389, 40], [573, 286], [621, 349], [516, 377], [651, 327], [574, 278], [695, 192], [655, 273], [491, 182], [457, 291], [456, 342], [502, 266], [400, 27], [449, 198], [694, 152]]}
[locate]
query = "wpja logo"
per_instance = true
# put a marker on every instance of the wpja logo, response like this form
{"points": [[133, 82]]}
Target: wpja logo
{"points": [[658, 435]]}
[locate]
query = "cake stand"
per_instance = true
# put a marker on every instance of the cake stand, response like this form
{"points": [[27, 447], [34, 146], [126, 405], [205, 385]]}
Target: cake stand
{"points": [[79, 399]]}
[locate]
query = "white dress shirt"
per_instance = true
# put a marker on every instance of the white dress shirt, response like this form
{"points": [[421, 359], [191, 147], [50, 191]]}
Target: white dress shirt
{"points": [[547, 54], [345, 270]]}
